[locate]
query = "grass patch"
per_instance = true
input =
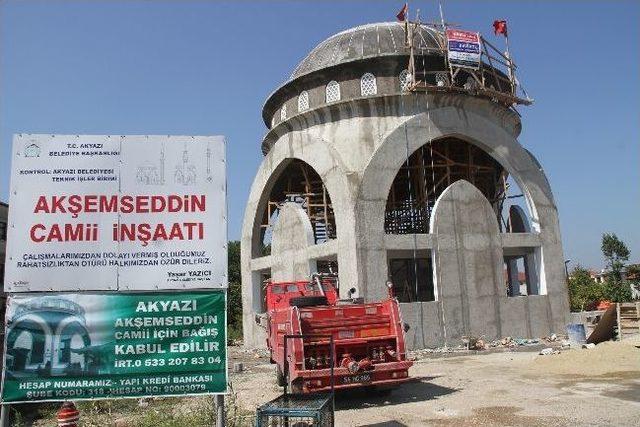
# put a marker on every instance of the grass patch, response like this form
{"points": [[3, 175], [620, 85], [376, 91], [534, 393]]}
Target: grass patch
{"points": [[196, 411]]}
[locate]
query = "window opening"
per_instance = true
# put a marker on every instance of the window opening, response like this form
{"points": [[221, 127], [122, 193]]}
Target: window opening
{"points": [[332, 91], [368, 86]]}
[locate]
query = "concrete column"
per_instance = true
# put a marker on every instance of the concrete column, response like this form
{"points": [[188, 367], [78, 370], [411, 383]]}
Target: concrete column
{"points": [[468, 262], [531, 268]]}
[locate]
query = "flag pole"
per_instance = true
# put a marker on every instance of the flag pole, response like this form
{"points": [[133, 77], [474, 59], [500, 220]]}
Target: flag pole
{"points": [[406, 23], [511, 74], [447, 64]]}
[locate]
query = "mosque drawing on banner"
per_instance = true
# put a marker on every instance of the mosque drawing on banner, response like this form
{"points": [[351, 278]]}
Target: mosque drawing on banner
{"points": [[47, 337], [150, 173], [185, 173]]}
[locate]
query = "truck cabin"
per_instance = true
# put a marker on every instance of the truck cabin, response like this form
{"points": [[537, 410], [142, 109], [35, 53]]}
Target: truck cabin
{"points": [[286, 294]]}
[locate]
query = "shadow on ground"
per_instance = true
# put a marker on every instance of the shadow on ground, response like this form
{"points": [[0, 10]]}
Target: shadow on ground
{"points": [[498, 416], [385, 424], [418, 390]]}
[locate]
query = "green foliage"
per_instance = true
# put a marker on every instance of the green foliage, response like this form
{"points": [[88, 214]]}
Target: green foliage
{"points": [[196, 411], [633, 271], [615, 253], [618, 290], [234, 294], [584, 292]]}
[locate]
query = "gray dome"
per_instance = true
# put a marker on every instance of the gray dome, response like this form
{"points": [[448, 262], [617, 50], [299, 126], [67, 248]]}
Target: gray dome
{"points": [[366, 41]]}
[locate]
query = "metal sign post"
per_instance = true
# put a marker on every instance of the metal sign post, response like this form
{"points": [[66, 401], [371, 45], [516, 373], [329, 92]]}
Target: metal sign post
{"points": [[4, 415], [220, 410]]}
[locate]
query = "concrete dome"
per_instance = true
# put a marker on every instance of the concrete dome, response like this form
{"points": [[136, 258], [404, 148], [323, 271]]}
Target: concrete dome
{"points": [[366, 41], [382, 43]]}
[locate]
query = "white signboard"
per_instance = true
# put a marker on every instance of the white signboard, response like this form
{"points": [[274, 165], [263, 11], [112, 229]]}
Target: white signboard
{"points": [[97, 212], [463, 48]]}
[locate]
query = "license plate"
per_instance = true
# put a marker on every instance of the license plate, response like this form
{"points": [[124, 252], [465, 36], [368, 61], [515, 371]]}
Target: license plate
{"points": [[360, 378]]}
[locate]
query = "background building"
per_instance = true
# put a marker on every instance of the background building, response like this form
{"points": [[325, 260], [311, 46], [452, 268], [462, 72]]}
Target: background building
{"points": [[382, 163]]}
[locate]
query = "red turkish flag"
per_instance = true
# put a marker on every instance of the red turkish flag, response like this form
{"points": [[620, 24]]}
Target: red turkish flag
{"points": [[500, 27], [402, 15]]}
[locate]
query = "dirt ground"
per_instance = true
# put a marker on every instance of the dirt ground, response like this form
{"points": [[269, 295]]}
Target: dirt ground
{"points": [[500, 387]]}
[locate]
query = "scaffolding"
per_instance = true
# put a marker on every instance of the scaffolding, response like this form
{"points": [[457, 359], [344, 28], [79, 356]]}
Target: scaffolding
{"points": [[494, 79], [429, 171], [300, 184]]}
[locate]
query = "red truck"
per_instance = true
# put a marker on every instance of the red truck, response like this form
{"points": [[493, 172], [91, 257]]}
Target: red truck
{"points": [[368, 338]]}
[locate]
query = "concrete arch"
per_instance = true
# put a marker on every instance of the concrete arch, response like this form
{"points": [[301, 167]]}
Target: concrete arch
{"points": [[321, 158], [326, 162], [489, 135]]}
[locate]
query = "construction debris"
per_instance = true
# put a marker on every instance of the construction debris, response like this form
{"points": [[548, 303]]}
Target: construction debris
{"points": [[477, 344]]}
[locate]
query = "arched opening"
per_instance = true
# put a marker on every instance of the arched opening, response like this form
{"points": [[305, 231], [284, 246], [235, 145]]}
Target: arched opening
{"points": [[332, 92], [73, 338], [404, 80], [419, 182], [431, 169], [299, 183], [26, 345], [368, 86], [303, 101]]}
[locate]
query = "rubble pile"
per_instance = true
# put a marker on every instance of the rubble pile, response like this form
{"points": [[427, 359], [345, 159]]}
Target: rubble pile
{"points": [[471, 343]]}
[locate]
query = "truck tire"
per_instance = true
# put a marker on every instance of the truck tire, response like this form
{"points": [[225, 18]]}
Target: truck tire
{"points": [[280, 376], [308, 301]]}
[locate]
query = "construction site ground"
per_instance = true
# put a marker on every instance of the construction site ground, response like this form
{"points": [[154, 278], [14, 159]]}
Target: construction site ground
{"points": [[505, 386]]}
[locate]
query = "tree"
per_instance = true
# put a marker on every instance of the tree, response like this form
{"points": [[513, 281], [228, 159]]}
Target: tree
{"points": [[584, 292], [234, 293], [616, 253]]}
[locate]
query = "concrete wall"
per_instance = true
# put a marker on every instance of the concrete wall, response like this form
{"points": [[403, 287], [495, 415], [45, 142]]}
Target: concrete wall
{"points": [[357, 147]]}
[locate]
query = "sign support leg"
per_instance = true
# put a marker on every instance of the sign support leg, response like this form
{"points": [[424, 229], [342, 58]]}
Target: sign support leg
{"points": [[4, 416], [219, 410]]}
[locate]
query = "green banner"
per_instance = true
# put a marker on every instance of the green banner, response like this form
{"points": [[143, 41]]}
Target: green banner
{"points": [[107, 345]]}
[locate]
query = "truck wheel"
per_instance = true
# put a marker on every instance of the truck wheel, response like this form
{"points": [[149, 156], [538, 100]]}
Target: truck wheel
{"points": [[308, 301], [296, 386], [280, 376]]}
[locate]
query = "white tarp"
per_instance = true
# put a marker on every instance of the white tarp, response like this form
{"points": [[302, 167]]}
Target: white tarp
{"points": [[97, 212]]}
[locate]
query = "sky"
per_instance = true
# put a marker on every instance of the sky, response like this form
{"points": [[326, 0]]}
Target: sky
{"points": [[206, 68]]}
